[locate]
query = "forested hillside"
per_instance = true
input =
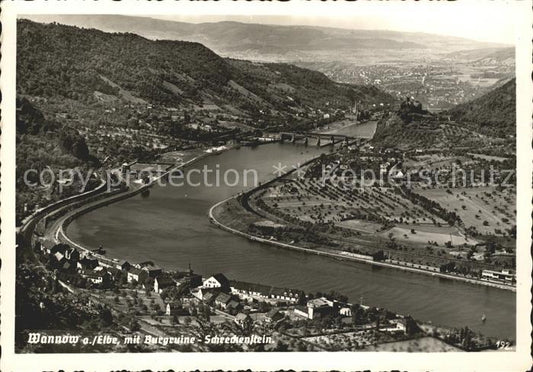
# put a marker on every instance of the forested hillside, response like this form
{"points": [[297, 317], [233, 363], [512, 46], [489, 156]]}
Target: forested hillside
{"points": [[491, 115], [494, 113], [86, 97], [45, 145], [74, 63]]}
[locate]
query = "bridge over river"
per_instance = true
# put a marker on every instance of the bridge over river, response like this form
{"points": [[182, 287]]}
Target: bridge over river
{"points": [[318, 139]]}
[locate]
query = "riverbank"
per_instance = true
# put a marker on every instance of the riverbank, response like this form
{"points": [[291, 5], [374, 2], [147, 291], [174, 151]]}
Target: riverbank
{"points": [[62, 224], [218, 209], [173, 223]]}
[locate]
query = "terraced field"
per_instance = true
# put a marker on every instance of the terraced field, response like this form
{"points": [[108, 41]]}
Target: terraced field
{"points": [[317, 202], [487, 210]]}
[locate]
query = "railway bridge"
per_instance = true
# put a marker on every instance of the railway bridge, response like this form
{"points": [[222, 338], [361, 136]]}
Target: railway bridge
{"points": [[320, 139]]}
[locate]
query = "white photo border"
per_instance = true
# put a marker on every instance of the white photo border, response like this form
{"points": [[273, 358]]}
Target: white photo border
{"points": [[486, 361]]}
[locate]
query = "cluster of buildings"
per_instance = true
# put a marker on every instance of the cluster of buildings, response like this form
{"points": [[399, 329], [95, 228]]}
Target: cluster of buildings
{"points": [[102, 272], [217, 290], [319, 307], [229, 295], [235, 298]]}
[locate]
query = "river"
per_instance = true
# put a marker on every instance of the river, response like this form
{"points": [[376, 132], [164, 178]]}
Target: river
{"points": [[171, 228]]}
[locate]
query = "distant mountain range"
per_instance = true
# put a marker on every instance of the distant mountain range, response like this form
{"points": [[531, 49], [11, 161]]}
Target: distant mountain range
{"points": [[256, 41], [486, 56], [77, 88], [64, 61]]}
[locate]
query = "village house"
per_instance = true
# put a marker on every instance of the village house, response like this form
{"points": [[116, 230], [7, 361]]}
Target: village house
{"points": [[317, 308], [99, 278], [152, 270], [162, 282], [395, 325], [259, 291], [172, 308], [200, 292], [136, 275], [87, 263], [250, 290], [301, 311], [290, 295], [397, 174], [191, 280], [222, 300], [57, 259], [505, 276], [233, 306], [210, 296], [217, 281], [114, 273], [64, 258], [123, 265], [273, 316], [105, 262], [243, 319]]}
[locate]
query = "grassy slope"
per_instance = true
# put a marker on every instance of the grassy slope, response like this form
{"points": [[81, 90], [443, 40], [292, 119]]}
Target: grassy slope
{"points": [[493, 113]]}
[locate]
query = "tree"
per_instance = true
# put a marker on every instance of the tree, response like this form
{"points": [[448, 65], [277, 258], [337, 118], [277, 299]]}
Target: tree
{"points": [[378, 256], [358, 314], [175, 319], [106, 317], [134, 325]]}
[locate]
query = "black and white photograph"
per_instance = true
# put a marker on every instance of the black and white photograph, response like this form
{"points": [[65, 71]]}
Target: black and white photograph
{"points": [[315, 178]]}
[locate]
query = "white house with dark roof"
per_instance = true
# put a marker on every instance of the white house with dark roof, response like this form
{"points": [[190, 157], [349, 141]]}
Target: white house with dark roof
{"points": [[260, 291], [217, 281]]}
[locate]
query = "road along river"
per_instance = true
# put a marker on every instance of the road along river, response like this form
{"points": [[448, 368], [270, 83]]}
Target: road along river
{"points": [[171, 228]]}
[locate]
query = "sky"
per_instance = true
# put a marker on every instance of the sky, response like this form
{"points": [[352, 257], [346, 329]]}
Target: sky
{"points": [[484, 20]]}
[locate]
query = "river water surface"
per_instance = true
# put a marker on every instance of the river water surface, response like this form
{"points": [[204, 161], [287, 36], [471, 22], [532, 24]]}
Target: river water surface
{"points": [[171, 228]]}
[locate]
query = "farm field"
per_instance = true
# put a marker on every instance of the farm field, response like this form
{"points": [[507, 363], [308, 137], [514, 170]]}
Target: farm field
{"points": [[487, 157], [360, 225], [434, 161], [344, 341], [487, 210], [424, 234], [313, 201], [423, 344]]}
